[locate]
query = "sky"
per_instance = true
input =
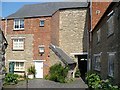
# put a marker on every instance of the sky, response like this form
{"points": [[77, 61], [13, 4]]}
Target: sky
{"points": [[11, 7], [8, 7]]}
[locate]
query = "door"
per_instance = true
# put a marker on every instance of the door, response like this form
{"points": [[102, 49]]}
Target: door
{"points": [[11, 67], [39, 69], [82, 65]]}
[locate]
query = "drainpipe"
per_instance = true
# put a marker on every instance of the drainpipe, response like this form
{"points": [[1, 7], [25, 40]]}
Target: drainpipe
{"points": [[89, 38], [5, 33]]}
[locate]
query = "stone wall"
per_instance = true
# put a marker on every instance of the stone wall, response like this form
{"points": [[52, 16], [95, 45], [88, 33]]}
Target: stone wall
{"points": [[27, 54], [72, 28], [54, 59], [34, 36], [107, 44]]}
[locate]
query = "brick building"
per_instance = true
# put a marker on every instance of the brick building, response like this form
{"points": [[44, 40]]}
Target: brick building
{"points": [[105, 44], [34, 28], [98, 9]]}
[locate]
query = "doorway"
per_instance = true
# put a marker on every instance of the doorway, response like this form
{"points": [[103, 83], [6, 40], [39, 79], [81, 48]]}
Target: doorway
{"points": [[82, 65], [39, 69]]}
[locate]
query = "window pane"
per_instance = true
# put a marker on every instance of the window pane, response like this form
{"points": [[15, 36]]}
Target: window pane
{"points": [[41, 22], [21, 23], [21, 64], [111, 25], [17, 64], [16, 22], [18, 44], [111, 64], [15, 40], [97, 64], [20, 40], [98, 35]]}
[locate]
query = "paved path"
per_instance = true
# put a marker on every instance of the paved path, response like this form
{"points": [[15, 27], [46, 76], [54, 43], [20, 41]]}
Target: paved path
{"points": [[41, 83]]}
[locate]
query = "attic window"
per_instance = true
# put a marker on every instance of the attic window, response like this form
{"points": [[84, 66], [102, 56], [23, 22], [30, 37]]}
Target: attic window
{"points": [[97, 12], [42, 22]]}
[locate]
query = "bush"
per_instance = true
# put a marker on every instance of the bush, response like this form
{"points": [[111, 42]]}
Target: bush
{"points": [[77, 73], [95, 83], [11, 78], [32, 70], [58, 73]]}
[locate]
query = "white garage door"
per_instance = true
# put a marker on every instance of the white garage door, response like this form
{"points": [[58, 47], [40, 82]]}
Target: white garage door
{"points": [[39, 69]]}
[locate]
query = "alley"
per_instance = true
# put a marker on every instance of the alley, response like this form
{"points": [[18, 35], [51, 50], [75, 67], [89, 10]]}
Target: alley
{"points": [[41, 83]]}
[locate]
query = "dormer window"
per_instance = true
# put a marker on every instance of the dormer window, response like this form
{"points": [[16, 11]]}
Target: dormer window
{"points": [[42, 22], [18, 24]]}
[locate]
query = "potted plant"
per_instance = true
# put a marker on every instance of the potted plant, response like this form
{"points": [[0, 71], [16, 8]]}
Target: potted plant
{"points": [[31, 72]]}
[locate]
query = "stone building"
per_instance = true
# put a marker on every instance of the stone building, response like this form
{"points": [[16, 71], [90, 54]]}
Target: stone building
{"points": [[105, 44], [3, 46], [36, 32]]}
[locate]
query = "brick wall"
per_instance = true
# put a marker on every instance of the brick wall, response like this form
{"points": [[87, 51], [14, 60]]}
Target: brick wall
{"points": [[55, 29], [101, 7], [3, 25], [34, 36]]}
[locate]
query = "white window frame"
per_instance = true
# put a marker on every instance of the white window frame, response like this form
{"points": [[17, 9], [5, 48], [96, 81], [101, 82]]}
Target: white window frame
{"points": [[19, 28], [97, 68], [110, 23], [19, 68], [23, 69], [19, 43], [98, 35], [41, 48], [42, 25], [111, 62]]}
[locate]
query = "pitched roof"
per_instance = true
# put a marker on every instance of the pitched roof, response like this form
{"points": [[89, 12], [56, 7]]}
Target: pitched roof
{"points": [[112, 4], [45, 9], [62, 55], [101, 7]]}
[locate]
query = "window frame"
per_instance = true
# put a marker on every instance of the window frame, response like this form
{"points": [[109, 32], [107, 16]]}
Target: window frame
{"points": [[41, 24], [110, 23], [19, 24], [98, 35], [18, 49], [109, 63], [19, 68], [97, 68]]}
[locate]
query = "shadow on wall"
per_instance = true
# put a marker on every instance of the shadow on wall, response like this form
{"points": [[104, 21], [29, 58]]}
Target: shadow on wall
{"points": [[82, 59], [85, 33]]}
